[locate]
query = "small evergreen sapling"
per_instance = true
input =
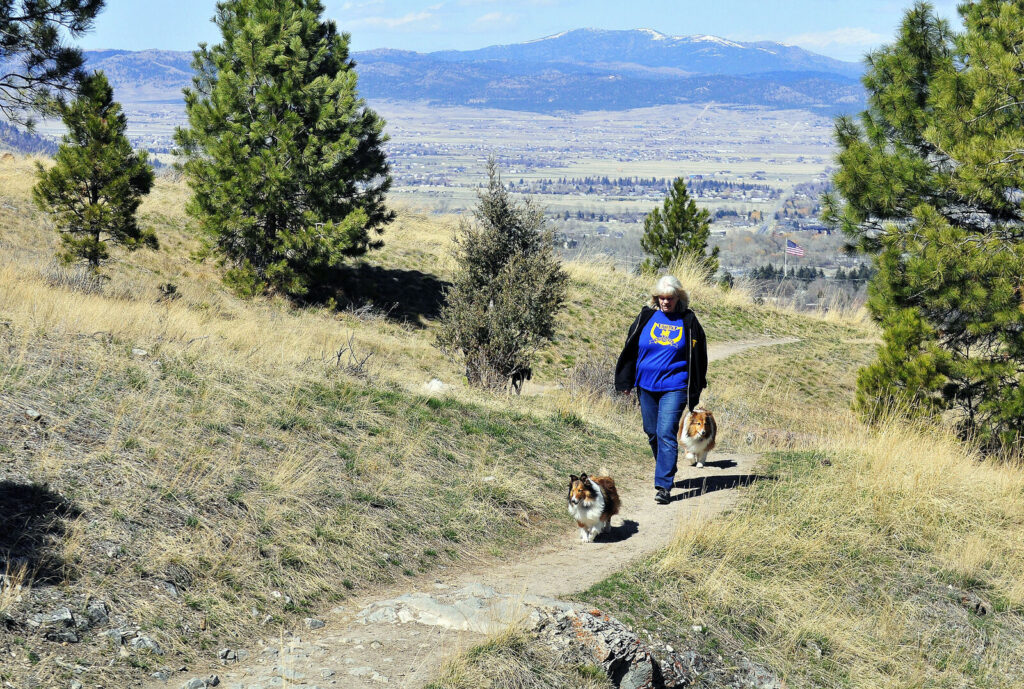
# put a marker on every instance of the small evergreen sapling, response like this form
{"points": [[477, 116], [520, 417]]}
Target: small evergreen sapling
{"points": [[94, 189], [677, 228], [507, 290]]}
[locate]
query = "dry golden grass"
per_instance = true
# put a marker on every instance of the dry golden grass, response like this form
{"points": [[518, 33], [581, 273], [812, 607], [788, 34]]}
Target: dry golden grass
{"points": [[866, 560]]}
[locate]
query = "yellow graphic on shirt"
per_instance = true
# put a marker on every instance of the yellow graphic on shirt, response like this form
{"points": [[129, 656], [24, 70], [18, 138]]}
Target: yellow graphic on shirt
{"points": [[665, 334]]}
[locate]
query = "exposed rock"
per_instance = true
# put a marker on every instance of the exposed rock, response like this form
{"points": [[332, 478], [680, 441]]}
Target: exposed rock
{"points": [[68, 636], [115, 635], [290, 674], [201, 682], [473, 608], [144, 643], [312, 623], [590, 636], [97, 613], [139, 352], [369, 673], [578, 633], [610, 644], [758, 677], [61, 618], [33, 415]]}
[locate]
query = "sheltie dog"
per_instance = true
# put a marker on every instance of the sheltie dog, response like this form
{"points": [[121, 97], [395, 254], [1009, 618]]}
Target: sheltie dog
{"points": [[593, 501], [697, 435]]}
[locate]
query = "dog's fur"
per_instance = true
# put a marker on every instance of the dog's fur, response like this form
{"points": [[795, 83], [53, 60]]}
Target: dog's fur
{"points": [[520, 376], [697, 435], [593, 501]]}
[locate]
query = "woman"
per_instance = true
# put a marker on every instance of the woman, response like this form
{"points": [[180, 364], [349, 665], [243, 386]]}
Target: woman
{"points": [[666, 360]]}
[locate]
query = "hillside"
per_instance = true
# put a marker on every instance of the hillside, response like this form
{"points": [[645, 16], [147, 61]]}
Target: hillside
{"points": [[215, 470], [579, 70]]}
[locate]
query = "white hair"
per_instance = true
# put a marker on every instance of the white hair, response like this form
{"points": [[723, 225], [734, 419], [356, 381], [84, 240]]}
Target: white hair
{"points": [[668, 285]]}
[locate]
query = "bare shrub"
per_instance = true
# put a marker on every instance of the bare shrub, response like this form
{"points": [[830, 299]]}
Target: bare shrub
{"points": [[347, 360], [593, 380], [368, 312], [506, 292], [592, 377]]}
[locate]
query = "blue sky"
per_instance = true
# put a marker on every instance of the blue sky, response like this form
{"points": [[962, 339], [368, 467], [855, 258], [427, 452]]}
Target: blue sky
{"points": [[844, 29]]}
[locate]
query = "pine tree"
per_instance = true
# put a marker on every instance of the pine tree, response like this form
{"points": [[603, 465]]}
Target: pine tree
{"points": [[97, 182], [678, 228], [36, 67], [507, 290], [284, 159], [930, 182]]}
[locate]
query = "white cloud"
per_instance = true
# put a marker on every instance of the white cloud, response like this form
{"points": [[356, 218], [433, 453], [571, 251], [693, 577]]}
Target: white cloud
{"points": [[846, 37], [408, 21], [493, 20]]}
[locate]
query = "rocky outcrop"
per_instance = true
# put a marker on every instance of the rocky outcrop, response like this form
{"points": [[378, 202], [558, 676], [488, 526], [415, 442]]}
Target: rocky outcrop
{"points": [[577, 633], [592, 636]]}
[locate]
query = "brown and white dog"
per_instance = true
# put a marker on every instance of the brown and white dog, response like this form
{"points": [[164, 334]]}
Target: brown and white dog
{"points": [[697, 435], [593, 501]]}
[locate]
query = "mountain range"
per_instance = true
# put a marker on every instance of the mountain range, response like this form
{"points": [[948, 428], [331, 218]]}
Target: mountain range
{"points": [[584, 69]]}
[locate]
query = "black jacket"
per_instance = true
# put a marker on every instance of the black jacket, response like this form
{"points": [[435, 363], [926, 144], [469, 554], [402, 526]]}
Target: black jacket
{"points": [[625, 368]]}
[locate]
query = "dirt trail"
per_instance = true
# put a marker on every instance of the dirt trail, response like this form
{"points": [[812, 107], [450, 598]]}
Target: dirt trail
{"points": [[400, 641]]}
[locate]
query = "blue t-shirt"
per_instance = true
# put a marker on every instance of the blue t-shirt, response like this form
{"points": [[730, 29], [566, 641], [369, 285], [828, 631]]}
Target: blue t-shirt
{"points": [[661, 362]]}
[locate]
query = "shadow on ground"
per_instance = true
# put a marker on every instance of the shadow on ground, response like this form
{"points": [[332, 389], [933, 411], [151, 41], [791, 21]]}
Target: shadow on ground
{"points": [[399, 295], [32, 529], [695, 487], [620, 533], [721, 464]]}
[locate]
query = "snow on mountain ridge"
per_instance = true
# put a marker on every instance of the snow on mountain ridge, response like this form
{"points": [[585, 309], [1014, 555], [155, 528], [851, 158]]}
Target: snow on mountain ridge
{"points": [[546, 38], [707, 38]]}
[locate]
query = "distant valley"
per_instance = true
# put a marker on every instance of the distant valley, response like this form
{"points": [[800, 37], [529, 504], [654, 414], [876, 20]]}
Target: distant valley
{"points": [[577, 71], [591, 124]]}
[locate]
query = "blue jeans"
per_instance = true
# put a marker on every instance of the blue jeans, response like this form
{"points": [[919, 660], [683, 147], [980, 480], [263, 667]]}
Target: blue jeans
{"points": [[661, 412]]}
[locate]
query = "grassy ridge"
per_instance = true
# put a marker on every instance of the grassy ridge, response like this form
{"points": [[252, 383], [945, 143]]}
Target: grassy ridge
{"points": [[210, 452]]}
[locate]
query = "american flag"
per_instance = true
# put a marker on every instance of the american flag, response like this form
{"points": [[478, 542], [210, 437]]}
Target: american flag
{"points": [[794, 248]]}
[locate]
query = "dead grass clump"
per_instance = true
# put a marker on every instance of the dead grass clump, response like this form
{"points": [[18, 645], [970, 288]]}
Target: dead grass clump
{"points": [[14, 586], [73, 278]]}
